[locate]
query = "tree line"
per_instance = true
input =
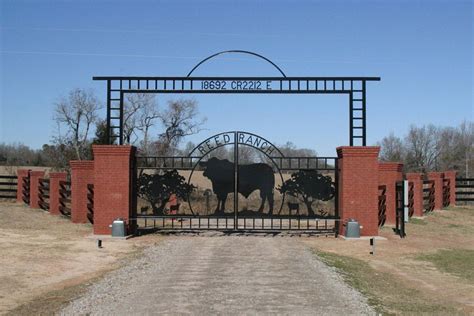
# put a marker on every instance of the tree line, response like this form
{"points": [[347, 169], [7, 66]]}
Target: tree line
{"points": [[432, 148]]}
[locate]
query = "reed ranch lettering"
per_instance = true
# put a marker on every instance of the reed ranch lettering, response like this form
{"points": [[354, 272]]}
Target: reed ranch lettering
{"points": [[242, 138], [236, 85]]}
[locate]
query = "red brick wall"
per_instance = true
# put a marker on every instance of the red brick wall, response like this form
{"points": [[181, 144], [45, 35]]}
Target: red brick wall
{"points": [[438, 182], [21, 173], [82, 173], [417, 179], [358, 187], [34, 187], [54, 179], [389, 174], [112, 184], [451, 175]]}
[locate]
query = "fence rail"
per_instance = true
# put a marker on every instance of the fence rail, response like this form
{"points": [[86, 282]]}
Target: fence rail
{"points": [[65, 198], [411, 199], [8, 186], [25, 190], [428, 195], [464, 189], [90, 203], [382, 204], [43, 194]]}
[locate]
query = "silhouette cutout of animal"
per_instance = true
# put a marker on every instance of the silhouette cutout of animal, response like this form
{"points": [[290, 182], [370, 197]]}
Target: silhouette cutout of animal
{"points": [[256, 176]]}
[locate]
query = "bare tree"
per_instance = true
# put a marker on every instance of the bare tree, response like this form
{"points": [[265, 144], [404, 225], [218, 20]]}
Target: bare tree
{"points": [[392, 148], [179, 120], [75, 114], [422, 148], [147, 115]]}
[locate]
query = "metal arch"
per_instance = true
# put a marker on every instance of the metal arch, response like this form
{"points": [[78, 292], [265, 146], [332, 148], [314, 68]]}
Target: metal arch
{"points": [[237, 51], [235, 132]]}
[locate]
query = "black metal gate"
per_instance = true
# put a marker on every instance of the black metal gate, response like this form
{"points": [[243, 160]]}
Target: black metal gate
{"points": [[269, 191]]}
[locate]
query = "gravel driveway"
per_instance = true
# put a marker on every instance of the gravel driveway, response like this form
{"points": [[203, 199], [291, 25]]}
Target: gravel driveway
{"points": [[222, 275]]}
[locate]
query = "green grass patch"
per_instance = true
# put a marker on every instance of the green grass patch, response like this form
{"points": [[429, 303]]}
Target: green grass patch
{"points": [[417, 221], [384, 292], [458, 262]]}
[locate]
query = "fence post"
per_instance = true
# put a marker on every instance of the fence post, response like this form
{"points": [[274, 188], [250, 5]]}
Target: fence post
{"points": [[22, 174], [437, 177], [82, 173], [35, 175], [113, 174], [417, 180], [451, 175], [389, 174], [358, 187], [54, 179]]}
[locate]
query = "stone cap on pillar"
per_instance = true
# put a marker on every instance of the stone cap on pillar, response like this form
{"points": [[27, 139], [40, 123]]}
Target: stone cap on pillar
{"points": [[58, 174], [434, 174], [22, 172], [414, 176], [450, 173], [82, 164], [37, 173], [358, 151], [115, 150], [390, 166]]}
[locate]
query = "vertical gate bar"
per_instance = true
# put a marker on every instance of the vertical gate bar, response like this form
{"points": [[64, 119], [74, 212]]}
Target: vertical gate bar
{"points": [[181, 219], [336, 195], [172, 223], [199, 222], [121, 118], [236, 178], [351, 118], [190, 223], [145, 222], [280, 223], [208, 222], [163, 222], [226, 222], [253, 227], [109, 105], [363, 114]]}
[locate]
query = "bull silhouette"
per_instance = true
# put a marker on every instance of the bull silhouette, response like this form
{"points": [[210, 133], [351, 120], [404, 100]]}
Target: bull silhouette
{"points": [[256, 176]]}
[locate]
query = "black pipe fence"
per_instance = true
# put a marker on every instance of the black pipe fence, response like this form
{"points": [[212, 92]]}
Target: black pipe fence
{"points": [[65, 198], [90, 203], [464, 190], [382, 204], [428, 195], [8, 187], [43, 194]]}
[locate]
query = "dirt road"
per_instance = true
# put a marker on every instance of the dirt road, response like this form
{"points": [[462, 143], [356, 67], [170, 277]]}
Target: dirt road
{"points": [[222, 275]]}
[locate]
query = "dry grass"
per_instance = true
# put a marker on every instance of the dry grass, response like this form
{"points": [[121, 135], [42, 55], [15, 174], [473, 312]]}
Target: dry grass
{"points": [[430, 271], [46, 258]]}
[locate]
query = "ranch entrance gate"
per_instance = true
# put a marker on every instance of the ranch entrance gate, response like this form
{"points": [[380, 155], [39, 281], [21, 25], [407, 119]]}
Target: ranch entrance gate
{"points": [[191, 192], [190, 205]]}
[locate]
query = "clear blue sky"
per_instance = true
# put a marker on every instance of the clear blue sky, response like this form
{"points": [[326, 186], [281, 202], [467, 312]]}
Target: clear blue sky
{"points": [[422, 50]]}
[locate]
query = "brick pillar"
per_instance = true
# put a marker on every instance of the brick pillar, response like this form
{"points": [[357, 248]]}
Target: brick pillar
{"points": [[21, 173], [438, 186], [389, 174], [451, 175], [82, 173], [112, 186], [358, 187], [35, 175], [54, 179], [417, 179]]}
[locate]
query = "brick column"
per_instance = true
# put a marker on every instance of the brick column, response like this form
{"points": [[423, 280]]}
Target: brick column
{"points": [[417, 179], [389, 174], [21, 173], [112, 186], [82, 173], [358, 187], [35, 175], [438, 186], [54, 179], [451, 175]]}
